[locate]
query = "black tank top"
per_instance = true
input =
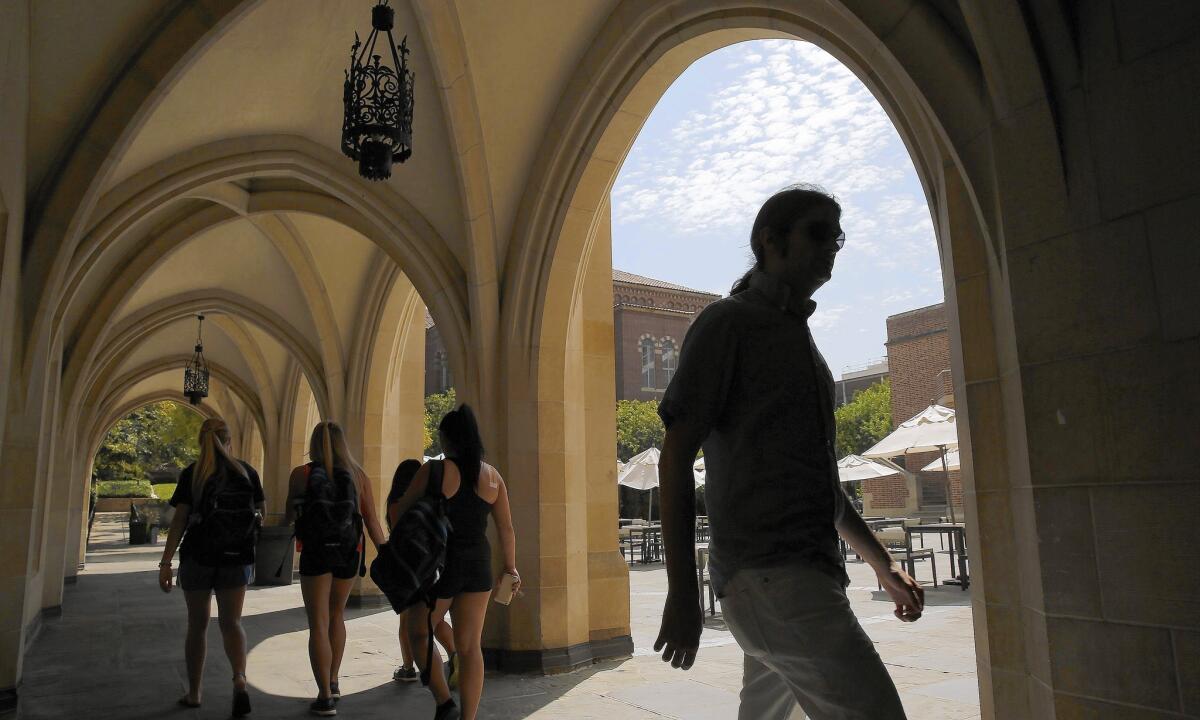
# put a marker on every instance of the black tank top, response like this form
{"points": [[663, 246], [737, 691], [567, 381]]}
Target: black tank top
{"points": [[468, 515]]}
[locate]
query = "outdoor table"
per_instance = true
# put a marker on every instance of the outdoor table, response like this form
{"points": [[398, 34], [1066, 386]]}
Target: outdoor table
{"points": [[880, 523], [651, 539], [958, 547]]}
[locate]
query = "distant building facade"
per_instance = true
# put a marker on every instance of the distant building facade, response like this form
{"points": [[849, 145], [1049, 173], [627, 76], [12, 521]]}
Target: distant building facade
{"points": [[650, 319], [855, 380], [918, 347]]}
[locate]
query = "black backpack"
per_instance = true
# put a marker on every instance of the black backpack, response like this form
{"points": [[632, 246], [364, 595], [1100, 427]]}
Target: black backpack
{"points": [[329, 524], [413, 559], [225, 524]]}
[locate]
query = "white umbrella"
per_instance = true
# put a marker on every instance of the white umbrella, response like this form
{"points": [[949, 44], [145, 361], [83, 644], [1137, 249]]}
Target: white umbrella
{"points": [[439, 456], [698, 471], [932, 429], [856, 467], [952, 463], [641, 473]]}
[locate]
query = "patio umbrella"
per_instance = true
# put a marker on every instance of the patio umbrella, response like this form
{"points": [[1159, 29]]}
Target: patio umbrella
{"points": [[856, 467], [952, 463], [641, 473], [931, 429], [698, 471], [439, 456]]}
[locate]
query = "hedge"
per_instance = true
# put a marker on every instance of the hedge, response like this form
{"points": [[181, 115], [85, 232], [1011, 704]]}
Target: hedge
{"points": [[124, 488]]}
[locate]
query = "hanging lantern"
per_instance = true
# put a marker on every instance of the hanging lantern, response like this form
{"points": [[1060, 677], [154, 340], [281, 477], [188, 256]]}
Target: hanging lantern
{"points": [[378, 100], [195, 375]]}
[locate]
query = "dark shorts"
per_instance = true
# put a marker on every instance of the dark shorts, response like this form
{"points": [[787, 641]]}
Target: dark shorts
{"points": [[342, 568], [468, 569], [195, 577]]}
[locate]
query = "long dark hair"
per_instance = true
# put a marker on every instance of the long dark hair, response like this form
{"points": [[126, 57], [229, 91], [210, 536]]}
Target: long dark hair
{"points": [[402, 478], [775, 220], [460, 436]]}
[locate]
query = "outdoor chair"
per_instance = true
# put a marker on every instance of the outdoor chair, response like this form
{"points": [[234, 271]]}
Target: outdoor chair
{"points": [[913, 522], [892, 538], [908, 560], [705, 581]]}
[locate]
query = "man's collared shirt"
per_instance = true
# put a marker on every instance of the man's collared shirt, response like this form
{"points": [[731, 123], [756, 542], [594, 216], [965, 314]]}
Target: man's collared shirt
{"points": [[751, 378]]}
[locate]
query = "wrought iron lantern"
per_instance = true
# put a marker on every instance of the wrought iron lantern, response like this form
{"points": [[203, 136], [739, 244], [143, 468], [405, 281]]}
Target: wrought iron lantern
{"points": [[195, 375], [378, 100]]}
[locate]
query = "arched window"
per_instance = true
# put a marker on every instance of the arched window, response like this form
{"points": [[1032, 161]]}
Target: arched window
{"points": [[669, 361], [647, 363], [443, 368]]}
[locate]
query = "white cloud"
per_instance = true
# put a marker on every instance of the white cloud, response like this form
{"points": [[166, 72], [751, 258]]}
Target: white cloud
{"points": [[788, 112], [827, 318]]}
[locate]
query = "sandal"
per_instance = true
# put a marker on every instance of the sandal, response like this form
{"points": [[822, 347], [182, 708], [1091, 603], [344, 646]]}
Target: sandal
{"points": [[241, 698]]}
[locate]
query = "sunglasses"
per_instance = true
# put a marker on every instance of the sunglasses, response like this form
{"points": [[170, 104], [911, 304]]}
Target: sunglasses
{"points": [[823, 232]]}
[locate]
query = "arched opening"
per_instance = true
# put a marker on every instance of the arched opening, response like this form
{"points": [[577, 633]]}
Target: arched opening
{"points": [[738, 124]]}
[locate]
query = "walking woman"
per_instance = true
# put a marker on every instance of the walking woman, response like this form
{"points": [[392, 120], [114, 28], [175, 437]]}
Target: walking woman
{"points": [[330, 499], [401, 479], [218, 510], [474, 490]]}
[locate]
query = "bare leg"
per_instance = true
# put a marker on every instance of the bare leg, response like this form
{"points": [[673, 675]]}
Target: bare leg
{"points": [[419, 635], [468, 612], [406, 653], [229, 613], [196, 644], [445, 635], [339, 591], [315, 589]]}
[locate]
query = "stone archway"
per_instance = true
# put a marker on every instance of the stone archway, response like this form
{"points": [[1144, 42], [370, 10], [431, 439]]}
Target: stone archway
{"points": [[935, 91]]}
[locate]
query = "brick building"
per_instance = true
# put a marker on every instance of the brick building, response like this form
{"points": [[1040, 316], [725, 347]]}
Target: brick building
{"points": [[650, 318], [918, 347]]}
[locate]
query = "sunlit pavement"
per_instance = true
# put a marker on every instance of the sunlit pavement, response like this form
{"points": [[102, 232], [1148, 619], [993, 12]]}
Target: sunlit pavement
{"points": [[117, 652]]}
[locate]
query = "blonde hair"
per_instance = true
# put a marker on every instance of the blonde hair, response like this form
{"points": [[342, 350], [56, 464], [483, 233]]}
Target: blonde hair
{"points": [[328, 447], [215, 455]]}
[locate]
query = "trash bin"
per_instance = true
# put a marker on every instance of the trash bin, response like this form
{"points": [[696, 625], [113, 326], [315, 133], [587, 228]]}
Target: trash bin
{"points": [[274, 546], [139, 532]]}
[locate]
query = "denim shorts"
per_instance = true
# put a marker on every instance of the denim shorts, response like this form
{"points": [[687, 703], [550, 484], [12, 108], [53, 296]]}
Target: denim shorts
{"points": [[195, 577]]}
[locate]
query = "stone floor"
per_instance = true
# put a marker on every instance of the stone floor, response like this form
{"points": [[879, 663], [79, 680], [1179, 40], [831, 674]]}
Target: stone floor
{"points": [[116, 652]]}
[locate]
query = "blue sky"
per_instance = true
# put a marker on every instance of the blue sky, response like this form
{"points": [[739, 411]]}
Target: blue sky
{"points": [[745, 121]]}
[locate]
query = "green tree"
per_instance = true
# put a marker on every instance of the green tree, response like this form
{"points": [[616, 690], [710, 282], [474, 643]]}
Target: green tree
{"points": [[865, 420], [436, 407], [638, 427], [162, 434]]}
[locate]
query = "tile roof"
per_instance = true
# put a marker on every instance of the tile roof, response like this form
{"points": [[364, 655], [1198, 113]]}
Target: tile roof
{"points": [[626, 277]]}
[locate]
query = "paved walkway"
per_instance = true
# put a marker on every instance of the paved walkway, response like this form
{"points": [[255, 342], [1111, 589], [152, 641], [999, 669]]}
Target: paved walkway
{"points": [[116, 652]]}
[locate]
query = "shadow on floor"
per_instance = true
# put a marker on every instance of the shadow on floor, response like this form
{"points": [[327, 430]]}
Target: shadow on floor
{"points": [[116, 652]]}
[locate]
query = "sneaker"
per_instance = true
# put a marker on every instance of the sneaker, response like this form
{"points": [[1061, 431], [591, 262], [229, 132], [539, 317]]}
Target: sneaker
{"points": [[406, 674], [447, 711], [452, 671], [323, 707], [334, 693]]}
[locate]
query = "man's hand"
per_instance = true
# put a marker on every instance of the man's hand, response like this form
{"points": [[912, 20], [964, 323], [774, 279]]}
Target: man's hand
{"points": [[680, 633], [908, 596]]}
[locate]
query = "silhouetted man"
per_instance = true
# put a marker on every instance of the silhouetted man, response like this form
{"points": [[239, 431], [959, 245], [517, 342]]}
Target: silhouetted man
{"points": [[753, 389]]}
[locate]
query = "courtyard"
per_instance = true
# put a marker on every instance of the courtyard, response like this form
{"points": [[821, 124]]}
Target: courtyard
{"points": [[116, 652]]}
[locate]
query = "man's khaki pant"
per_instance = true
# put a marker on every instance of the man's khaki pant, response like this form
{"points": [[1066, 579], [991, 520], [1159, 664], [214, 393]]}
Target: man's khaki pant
{"points": [[805, 651]]}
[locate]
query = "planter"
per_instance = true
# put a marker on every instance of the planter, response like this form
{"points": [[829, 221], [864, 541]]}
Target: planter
{"points": [[274, 544]]}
